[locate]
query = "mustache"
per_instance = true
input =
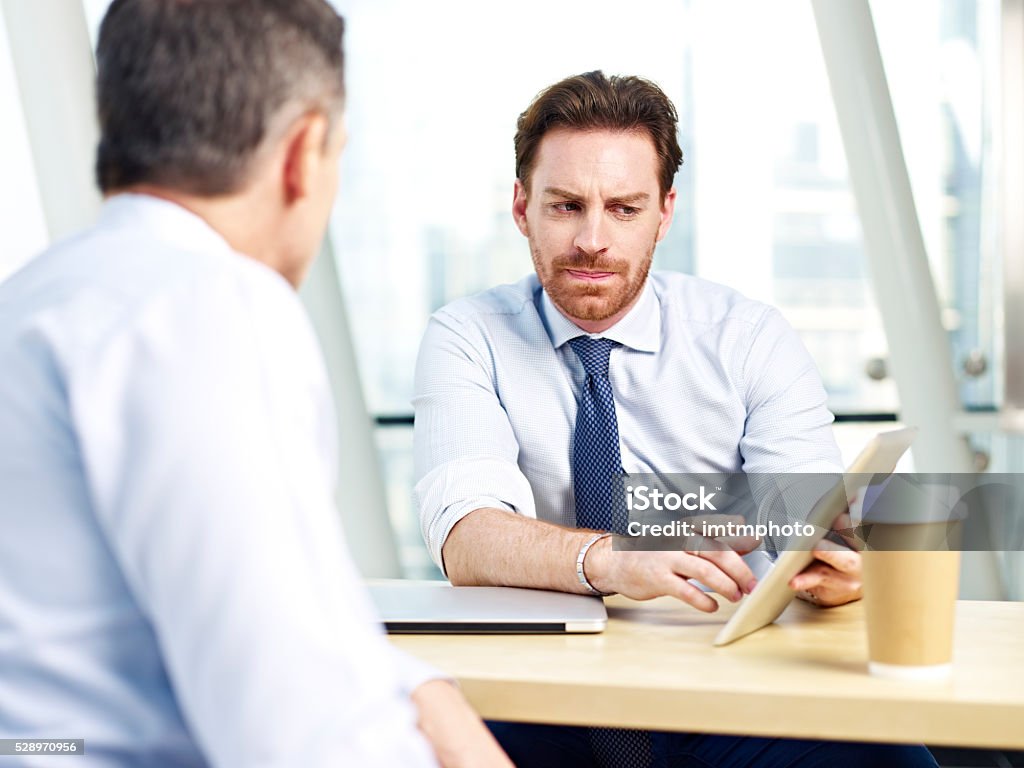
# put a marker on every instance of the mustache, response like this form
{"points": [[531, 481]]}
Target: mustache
{"points": [[581, 260]]}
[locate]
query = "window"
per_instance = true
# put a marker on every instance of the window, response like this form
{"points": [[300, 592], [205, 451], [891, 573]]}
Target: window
{"points": [[765, 203], [764, 199]]}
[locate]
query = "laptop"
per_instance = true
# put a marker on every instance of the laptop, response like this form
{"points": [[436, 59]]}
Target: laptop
{"points": [[772, 593], [435, 607]]}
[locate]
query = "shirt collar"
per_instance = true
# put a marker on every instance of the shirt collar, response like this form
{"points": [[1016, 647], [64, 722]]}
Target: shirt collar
{"points": [[162, 220], [640, 329]]}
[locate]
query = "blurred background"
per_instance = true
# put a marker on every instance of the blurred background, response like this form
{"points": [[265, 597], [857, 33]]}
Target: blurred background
{"points": [[765, 197]]}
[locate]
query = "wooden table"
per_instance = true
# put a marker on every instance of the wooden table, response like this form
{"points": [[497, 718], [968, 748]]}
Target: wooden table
{"points": [[806, 676]]}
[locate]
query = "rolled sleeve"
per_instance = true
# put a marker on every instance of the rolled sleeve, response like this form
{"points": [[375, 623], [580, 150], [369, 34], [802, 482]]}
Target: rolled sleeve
{"points": [[451, 491], [466, 451]]}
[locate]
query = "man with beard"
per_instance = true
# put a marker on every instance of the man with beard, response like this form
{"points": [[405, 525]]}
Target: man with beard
{"points": [[530, 397]]}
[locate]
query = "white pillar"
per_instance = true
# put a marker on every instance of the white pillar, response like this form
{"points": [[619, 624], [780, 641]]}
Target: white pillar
{"points": [[918, 347], [1011, 224], [53, 62], [361, 497], [1010, 154]]}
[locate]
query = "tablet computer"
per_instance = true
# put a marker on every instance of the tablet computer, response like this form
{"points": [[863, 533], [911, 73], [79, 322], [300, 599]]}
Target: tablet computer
{"points": [[772, 594]]}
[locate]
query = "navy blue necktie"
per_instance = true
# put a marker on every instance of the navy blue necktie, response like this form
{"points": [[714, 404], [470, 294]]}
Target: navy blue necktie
{"points": [[595, 451], [596, 460]]}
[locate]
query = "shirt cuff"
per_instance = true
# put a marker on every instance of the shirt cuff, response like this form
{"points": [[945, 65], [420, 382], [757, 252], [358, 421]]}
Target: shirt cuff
{"points": [[412, 673], [451, 491], [444, 523]]}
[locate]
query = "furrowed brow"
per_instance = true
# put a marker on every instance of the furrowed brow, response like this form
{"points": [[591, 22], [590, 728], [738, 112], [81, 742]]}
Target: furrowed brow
{"points": [[562, 193], [636, 197]]}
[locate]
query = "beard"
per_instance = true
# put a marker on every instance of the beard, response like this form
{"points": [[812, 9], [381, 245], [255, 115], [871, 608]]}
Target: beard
{"points": [[591, 302]]}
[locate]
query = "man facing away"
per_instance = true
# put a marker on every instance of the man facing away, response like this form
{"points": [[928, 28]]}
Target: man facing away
{"points": [[531, 397], [174, 585]]}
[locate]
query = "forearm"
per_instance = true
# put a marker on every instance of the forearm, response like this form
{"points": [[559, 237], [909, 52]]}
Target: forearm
{"points": [[499, 548], [493, 547], [453, 729]]}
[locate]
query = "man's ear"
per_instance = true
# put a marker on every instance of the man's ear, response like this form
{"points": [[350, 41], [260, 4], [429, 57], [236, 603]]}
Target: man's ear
{"points": [[304, 155], [519, 207], [668, 206]]}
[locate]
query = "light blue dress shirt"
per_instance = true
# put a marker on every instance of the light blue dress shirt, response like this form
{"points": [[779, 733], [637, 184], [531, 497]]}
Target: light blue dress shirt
{"points": [[174, 585], [705, 380]]}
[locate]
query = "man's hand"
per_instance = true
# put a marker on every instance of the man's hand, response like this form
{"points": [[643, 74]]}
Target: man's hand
{"points": [[834, 578], [454, 730], [645, 575], [499, 548]]}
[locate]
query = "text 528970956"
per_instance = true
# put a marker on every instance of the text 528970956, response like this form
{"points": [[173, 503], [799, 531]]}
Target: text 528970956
{"points": [[42, 746]]}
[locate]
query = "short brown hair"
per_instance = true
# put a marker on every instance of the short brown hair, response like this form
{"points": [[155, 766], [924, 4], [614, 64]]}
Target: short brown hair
{"points": [[188, 90], [592, 101]]}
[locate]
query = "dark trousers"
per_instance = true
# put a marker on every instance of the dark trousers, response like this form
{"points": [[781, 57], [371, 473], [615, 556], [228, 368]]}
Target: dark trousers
{"points": [[555, 746]]}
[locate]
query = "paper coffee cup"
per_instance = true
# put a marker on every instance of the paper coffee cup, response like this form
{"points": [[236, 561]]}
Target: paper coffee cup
{"points": [[910, 605]]}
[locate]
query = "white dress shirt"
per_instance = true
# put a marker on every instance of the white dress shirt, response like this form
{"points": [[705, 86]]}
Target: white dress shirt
{"points": [[174, 584], [705, 380]]}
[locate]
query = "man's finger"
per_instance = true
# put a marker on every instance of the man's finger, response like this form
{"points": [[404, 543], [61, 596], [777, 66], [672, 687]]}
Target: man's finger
{"points": [[685, 591], [812, 577], [707, 573], [735, 567], [838, 556]]}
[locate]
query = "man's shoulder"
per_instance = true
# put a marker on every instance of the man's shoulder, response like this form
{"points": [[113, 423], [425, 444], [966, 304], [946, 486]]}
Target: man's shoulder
{"points": [[508, 303], [130, 264], [103, 281], [695, 300]]}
